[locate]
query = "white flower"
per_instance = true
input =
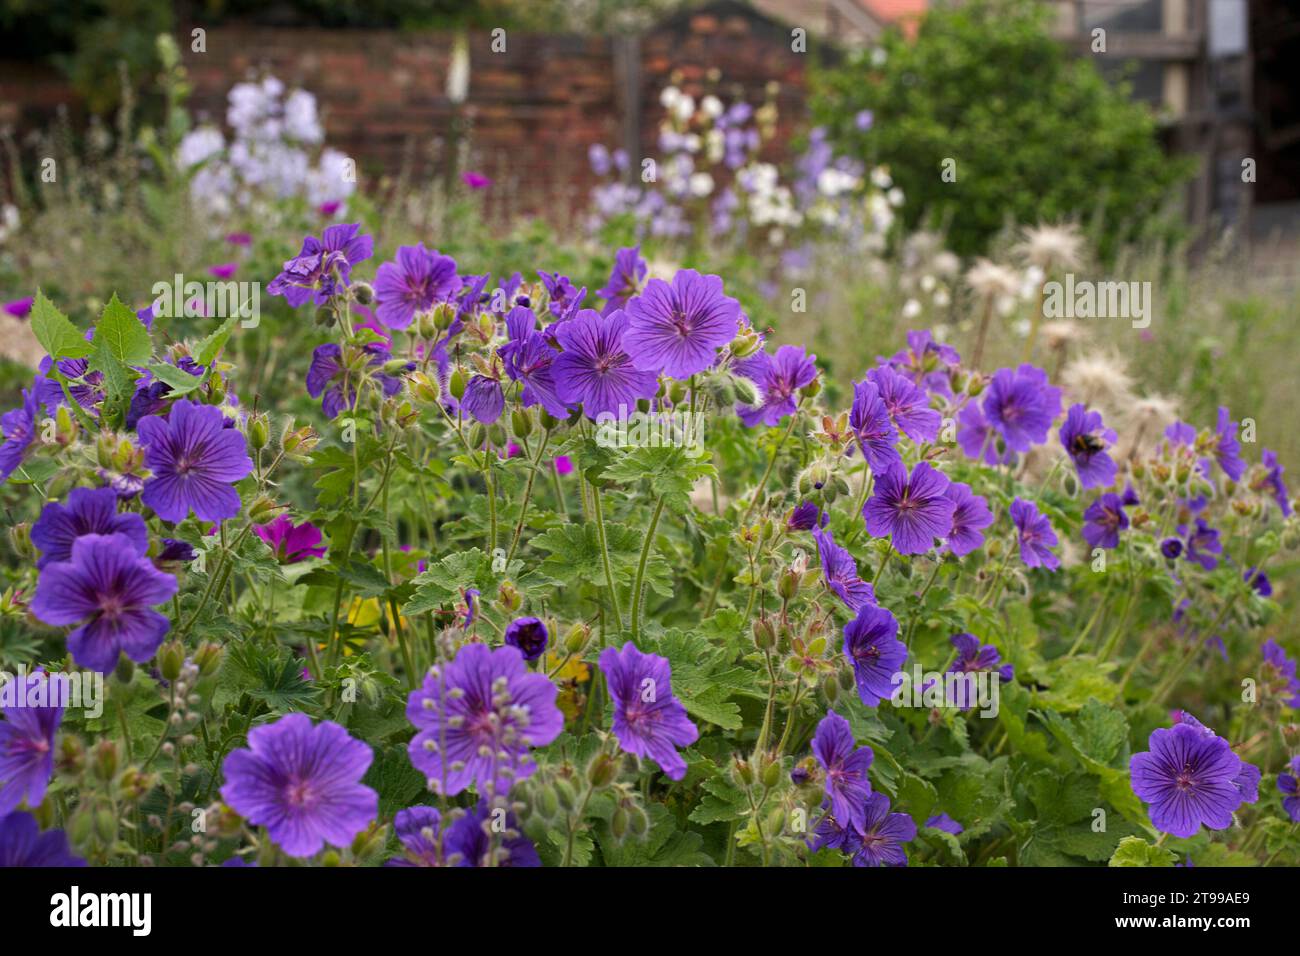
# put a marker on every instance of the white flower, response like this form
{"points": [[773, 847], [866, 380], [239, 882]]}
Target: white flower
{"points": [[701, 184], [942, 298], [669, 96], [198, 145], [896, 197], [712, 106], [880, 178], [911, 309], [684, 107], [1052, 248]]}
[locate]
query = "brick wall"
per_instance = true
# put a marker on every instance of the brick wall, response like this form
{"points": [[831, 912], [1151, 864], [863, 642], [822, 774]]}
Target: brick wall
{"points": [[531, 112]]}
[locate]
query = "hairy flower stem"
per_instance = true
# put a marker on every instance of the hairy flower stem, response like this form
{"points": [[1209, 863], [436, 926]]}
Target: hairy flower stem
{"points": [[638, 596], [492, 498], [978, 351], [604, 557], [889, 553], [911, 625], [766, 729], [528, 494]]}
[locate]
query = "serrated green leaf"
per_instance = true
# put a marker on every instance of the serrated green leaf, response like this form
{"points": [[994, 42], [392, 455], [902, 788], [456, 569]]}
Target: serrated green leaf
{"points": [[57, 335]]}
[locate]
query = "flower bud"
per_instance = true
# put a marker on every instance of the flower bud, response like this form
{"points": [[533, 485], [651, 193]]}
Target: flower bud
{"points": [[104, 761], [619, 823], [20, 538], [444, 313], [602, 770], [745, 391], [363, 292], [456, 384], [208, 658], [171, 658], [521, 423], [477, 436], [764, 635], [772, 774], [577, 638], [65, 426], [548, 805], [125, 669], [259, 431], [565, 793], [263, 510], [788, 584]]}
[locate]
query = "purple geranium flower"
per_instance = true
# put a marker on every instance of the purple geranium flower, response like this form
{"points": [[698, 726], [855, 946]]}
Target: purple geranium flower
{"points": [[1227, 451], [291, 542], [419, 278], [109, 590], [323, 266], [1171, 548], [805, 516], [594, 367], [1287, 783], [477, 719], [1203, 544], [1085, 440], [195, 459], [625, 280], [1258, 580], [27, 742], [677, 329], [876, 435], [1281, 672], [840, 572], [872, 646], [88, 511], [528, 634], [1021, 405], [327, 376], [484, 399], [880, 841], [913, 509], [1103, 520], [907, 404], [468, 841], [23, 844], [980, 440], [778, 378], [970, 517], [303, 783], [1272, 482], [1035, 535], [973, 658], [18, 428], [565, 298], [1189, 778], [847, 786], [529, 358], [941, 821], [648, 720], [925, 361]]}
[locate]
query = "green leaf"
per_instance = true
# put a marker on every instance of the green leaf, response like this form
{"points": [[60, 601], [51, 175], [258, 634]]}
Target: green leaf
{"points": [[208, 349], [1135, 851], [180, 381], [664, 845], [701, 677], [671, 470], [58, 336], [120, 334], [575, 556]]}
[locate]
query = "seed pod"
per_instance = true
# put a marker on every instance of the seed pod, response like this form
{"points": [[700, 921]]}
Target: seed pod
{"points": [[456, 384], [619, 823], [259, 432], [170, 659]]}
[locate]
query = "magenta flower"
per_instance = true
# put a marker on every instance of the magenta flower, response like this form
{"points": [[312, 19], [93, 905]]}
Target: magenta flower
{"points": [[677, 329], [477, 719], [195, 458], [303, 783], [291, 542], [223, 271], [648, 720], [419, 278], [108, 590], [88, 511], [475, 180], [845, 764], [1035, 535], [913, 510], [27, 743], [19, 308], [595, 369]]}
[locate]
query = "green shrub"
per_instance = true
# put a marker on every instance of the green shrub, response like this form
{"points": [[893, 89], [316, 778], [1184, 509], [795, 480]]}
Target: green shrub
{"points": [[1036, 133]]}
